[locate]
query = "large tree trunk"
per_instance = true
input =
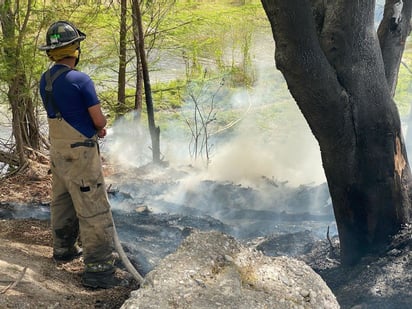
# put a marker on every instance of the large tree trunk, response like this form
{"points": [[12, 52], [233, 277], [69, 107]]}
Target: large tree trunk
{"points": [[332, 62]]}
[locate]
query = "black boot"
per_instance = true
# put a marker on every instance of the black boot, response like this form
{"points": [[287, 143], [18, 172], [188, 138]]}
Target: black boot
{"points": [[103, 279]]}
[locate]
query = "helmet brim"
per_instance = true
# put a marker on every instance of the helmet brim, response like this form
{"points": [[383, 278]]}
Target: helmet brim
{"points": [[54, 46]]}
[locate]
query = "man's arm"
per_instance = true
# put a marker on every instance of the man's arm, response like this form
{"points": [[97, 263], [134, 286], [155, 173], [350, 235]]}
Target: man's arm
{"points": [[99, 120]]}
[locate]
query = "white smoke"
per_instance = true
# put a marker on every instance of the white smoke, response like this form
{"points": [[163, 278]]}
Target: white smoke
{"points": [[279, 146], [127, 143]]}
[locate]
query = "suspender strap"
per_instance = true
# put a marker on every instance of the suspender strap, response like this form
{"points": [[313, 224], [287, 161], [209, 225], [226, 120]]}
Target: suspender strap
{"points": [[49, 89]]}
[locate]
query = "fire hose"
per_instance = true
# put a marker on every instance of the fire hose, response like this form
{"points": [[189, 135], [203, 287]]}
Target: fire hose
{"points": [[126, 262]]}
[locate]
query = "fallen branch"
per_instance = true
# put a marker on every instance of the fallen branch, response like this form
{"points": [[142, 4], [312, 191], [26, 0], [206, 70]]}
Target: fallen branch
{"points": [[36, 152], [12, 285]]}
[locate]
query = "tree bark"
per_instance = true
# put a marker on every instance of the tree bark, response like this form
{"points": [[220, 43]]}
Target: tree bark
{"points": [[392, 37], [331, 59], [138, 97], [121, 90], [154, 131]]}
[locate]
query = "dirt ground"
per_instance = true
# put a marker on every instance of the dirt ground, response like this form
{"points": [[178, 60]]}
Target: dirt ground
{"points": [[29, 277]]}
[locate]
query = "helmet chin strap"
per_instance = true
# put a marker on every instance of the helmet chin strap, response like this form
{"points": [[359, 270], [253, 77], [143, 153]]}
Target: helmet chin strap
{"points": [[78, 57]]}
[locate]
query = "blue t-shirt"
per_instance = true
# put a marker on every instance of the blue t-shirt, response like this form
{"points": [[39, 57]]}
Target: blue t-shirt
{"points": [[73, 93]]}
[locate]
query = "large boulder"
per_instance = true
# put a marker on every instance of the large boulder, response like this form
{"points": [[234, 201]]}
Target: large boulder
{"points": [[213, 270]]}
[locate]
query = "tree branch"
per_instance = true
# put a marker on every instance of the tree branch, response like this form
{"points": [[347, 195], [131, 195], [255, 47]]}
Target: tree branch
{"points": [[392, 32]]}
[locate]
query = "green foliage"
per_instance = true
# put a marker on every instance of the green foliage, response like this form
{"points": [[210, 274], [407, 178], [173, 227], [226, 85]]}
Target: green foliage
{"points": [[206, 37], [168, 95], [108, 100], [216, 36], [18, 45], [185, 31]]}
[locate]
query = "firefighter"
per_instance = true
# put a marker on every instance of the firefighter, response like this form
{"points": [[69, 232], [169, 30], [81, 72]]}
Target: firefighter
{"points": [[79, 207]]}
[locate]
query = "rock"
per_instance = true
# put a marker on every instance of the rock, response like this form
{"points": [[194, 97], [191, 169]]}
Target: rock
{"points": [[213, 270]]}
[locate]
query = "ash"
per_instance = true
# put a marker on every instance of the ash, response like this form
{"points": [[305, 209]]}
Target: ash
{"points": [[154, 212]]}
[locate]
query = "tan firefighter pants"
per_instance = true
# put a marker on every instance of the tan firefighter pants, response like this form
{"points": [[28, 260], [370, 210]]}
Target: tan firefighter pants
{"points": [[79, 195]]}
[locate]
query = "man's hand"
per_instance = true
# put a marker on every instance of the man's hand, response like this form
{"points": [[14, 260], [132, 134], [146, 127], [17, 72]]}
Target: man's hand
{"points": [[101, 133]]}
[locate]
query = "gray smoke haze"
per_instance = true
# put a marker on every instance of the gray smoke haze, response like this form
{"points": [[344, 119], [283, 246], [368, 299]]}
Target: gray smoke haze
{"points": [[279, 147], [290, 153]]}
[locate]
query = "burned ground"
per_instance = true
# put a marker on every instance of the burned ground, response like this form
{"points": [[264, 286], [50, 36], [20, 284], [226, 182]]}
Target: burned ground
{"points": [[153, 217]]}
